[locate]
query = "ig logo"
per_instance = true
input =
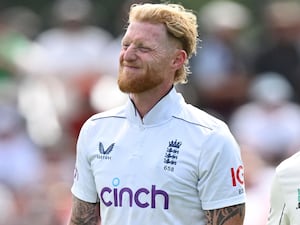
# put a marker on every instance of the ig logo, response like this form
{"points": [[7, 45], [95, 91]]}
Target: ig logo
{"points": [[237, 175]]}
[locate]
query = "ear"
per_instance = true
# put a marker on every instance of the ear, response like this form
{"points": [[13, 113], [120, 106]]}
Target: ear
{"points": [[179, 59]]}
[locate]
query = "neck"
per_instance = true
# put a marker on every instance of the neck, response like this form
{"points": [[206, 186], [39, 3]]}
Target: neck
{"points": [[145, 101]]}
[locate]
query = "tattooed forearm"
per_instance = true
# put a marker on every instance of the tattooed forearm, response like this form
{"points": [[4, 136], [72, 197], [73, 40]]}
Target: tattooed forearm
{"points": [[233, 215], [83, 213]]}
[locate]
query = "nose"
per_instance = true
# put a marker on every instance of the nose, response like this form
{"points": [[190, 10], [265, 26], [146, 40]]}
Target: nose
{"points": [[129, 53]]}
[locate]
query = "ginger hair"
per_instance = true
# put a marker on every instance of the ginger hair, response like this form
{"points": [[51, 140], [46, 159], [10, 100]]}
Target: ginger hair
{"points": [[180, 24]]}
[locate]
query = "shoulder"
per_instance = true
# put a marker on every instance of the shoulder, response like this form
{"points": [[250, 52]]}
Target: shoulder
{"points": [[208, 130], [214, 133], [118, 112], [289, 165], [111, 115], [100, 123], [287, 172], [197, 117]]}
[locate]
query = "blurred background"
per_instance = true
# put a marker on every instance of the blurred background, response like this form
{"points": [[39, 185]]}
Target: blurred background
{"points": [[58, 66]]}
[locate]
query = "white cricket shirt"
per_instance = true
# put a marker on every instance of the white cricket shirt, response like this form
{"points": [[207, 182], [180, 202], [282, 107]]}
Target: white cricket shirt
{"points": [[285, 194], [163, 169]]}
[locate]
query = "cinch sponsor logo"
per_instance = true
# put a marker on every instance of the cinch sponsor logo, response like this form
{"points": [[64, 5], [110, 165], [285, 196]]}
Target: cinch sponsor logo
{"points": [[116, 196]]}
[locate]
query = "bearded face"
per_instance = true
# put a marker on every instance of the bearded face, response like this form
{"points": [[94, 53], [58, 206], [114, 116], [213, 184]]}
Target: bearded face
{"points": [[144, 58], [138, 82]]}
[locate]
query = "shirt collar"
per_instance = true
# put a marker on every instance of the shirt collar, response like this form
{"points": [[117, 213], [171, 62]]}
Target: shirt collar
{"points": [[165, 109]]}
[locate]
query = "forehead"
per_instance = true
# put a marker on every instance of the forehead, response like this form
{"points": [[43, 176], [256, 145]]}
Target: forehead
{"points": [[145, 31]]}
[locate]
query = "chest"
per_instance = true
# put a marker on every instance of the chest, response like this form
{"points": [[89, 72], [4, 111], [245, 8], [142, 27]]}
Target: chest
{"points": [[145, 157]]}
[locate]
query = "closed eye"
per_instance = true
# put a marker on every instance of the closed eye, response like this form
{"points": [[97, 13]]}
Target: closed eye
{"points": [[144, 49], [125, 46], [140, 48]]}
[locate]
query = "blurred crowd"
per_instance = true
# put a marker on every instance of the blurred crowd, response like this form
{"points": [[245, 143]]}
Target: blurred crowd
{"points": [[246, 72]]}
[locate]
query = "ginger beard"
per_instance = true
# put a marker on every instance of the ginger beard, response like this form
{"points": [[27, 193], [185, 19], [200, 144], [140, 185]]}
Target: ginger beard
{"points": [[139, 82]]}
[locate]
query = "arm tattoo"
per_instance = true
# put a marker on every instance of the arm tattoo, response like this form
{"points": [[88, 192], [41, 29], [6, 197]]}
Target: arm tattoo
{"points": [[233, 215], [84, 213]]}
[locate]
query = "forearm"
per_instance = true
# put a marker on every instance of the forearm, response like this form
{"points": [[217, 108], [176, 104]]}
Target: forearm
{"points": [[233, 215], [84, 213]]}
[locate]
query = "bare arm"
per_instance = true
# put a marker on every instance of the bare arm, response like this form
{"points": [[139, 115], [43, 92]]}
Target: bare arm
{"points": [[84, 213], [233, 215]]}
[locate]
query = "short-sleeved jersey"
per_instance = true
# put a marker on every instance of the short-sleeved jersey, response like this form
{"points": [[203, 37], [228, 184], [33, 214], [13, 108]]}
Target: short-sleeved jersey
{"points": [[166, 168], [285, 193]]}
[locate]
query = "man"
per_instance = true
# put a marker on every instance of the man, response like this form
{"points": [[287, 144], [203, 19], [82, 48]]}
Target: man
{"points": [[285, 193], [157, 160]]}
